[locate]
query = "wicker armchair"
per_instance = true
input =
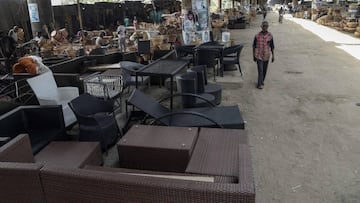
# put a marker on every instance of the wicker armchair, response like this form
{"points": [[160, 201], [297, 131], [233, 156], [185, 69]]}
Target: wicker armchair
{"points": [[96, 119]]}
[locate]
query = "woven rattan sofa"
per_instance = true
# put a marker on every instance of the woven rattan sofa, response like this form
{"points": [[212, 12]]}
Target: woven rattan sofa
{"points": [[219, 170], [231, 181]]}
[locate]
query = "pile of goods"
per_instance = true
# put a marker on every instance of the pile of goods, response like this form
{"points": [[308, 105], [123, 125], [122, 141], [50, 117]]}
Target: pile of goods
{"points": [[335, 20], [332, 19], [30, 64], [350, 26], [218, 23]]}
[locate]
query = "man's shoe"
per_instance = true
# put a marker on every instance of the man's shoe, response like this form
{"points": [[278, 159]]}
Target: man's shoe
{"points": [[261, 86]]}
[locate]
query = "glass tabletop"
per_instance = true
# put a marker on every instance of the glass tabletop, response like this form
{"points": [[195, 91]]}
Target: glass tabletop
{"points": [[164, 67]]}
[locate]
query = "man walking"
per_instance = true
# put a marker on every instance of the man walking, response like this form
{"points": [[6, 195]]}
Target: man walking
{"points": [[264, 12], [121, 30], [263, 47]]}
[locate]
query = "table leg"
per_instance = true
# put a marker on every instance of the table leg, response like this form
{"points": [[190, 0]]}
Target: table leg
{"points": [[171, 91], [136, 80]]}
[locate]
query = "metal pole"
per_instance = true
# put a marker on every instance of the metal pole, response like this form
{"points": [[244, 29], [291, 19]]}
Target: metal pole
{"points": [[79, 15]]}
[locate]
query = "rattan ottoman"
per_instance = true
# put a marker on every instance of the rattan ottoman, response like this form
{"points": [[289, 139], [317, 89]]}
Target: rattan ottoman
{"points": [[157, 148]]}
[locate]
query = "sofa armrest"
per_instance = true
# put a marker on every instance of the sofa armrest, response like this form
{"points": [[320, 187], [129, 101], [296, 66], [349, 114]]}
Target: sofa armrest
{"points": [[43, 117], [246, 176], [20, 182], [17, 150]]}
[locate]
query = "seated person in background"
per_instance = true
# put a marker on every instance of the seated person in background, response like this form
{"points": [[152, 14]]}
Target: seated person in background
{"points": [[38, 37], [14, 33], [85, 38], [36, 41], [101, 42]]}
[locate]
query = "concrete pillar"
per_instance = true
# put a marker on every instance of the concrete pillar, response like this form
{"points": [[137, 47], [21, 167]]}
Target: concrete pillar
{"points": [[40, 13]]}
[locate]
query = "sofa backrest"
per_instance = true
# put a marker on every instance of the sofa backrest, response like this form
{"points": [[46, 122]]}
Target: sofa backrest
{"points": [[62, 79], [81, 185], [44, 87], [75, 65]]}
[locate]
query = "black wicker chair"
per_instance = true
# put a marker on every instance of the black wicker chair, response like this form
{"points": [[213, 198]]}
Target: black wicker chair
{"points": [[203, 86], [209, 57], [188, 83], [96, 119], [185, 52], [232, 56], [129, 69]]}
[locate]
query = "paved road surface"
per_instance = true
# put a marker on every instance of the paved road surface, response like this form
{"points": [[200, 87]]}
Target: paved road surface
{"points": [[304, 126]]}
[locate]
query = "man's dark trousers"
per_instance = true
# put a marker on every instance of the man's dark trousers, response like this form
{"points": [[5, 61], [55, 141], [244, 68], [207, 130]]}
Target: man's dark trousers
{"points": [[262, 68]]}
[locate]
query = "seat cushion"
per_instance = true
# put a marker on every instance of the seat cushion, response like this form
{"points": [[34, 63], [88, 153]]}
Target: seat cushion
{"points": [[70, 154], [215, 90], [217, 152]]}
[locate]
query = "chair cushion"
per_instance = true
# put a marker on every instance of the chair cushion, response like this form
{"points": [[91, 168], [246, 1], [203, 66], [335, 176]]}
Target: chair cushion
{"points": [[70, 154], [215, 90], [217, 152], [230, 60]]}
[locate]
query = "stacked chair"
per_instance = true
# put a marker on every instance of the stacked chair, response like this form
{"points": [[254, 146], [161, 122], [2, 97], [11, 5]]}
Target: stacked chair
{"points": [[209, 57], [185, 52], [188, 89], [203, 86], [231, 55]]}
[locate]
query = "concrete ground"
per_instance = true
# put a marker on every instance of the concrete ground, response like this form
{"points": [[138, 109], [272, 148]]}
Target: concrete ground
{"points": [[303, 127]]}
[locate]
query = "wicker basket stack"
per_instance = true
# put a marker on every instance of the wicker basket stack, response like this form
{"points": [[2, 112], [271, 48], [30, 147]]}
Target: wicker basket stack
{"points": [[350, 26], [357, 32]]}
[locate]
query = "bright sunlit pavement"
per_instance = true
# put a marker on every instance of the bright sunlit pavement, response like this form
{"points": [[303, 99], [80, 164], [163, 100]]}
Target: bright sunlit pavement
{"points": [[345, 42]]}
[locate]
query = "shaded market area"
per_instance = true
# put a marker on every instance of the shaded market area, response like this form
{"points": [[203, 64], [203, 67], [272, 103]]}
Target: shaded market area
{"points": [[162, 101]]}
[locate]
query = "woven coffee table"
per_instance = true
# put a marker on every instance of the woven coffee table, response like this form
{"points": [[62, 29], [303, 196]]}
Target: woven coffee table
{"points": [[157, 148]]}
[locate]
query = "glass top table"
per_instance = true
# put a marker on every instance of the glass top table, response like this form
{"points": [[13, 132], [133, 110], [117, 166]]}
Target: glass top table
{"points": [[164, 68]]}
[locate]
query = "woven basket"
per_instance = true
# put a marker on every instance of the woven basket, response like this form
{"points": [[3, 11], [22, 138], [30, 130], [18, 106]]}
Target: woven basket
{"points": [[349, 29], [353, 7], [352, 24], [156, 40], [164, 46]]}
